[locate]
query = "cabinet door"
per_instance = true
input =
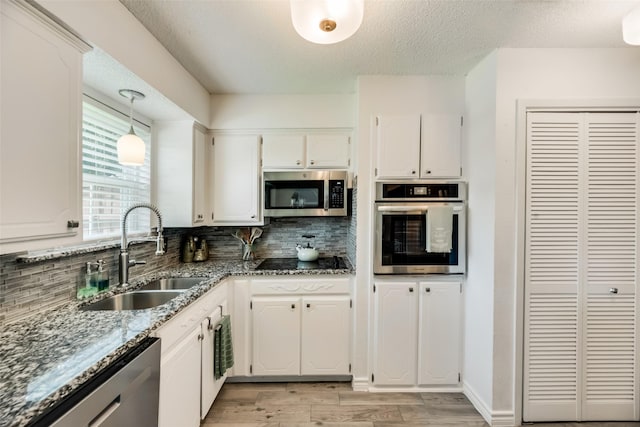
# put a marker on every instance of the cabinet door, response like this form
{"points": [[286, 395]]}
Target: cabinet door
{"points": [[439, 333], [40, 111], [440, 145], [328, 151], [210, 386], [276, 335], [283, 151], [199, 176], [325, 335], [180, 383], [395, 334], [398, 147], [236, 179]]}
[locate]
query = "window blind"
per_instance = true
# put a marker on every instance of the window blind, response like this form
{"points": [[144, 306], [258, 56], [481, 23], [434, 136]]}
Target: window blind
{"points": [[109, 188]]}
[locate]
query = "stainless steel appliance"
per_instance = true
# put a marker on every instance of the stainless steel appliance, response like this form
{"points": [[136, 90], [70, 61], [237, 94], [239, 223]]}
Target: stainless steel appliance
{"points": [[305, 193], [402, 224], [126, 393]]}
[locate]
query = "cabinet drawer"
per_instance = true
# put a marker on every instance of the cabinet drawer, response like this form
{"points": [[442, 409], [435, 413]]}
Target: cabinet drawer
{"points": [[298, 286]]}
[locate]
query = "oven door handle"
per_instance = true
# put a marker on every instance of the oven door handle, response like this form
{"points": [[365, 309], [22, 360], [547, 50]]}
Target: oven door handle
{"points": [[411, 209]]}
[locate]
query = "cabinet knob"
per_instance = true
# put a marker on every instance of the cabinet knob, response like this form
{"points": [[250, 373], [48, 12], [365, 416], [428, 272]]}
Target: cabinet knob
{"points": [[200, 337], [72, 223], [313, 162], [427, 172], [293, 306], [613, 290], [413, 172], [298, 162], [253, 216], [308, 305], [427, 290], [410, 289]]}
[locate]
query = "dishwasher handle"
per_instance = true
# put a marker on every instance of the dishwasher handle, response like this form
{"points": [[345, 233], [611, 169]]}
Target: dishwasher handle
{"points": [[106, 413]]}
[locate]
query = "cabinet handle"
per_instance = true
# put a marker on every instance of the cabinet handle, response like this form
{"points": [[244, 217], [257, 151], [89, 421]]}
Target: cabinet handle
{"points": [[410, 289], [613, 290], [427, 172], [72, 223], [427, 290], [293, 306]]}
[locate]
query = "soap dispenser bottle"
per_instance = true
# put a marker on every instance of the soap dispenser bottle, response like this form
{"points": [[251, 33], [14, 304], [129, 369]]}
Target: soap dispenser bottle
{"points": [[102, 279]]}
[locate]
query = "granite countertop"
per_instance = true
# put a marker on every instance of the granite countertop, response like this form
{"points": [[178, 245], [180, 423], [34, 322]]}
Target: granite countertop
{"points": [[46, 357]]}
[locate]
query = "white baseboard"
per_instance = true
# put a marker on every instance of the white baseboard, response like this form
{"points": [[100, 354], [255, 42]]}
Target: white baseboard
{"points": [[494, 418], [360, 384]]}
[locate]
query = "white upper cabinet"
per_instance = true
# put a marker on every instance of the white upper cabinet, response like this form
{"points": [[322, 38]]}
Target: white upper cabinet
{"points": [[311, 151], [283, 151], [181, 177], [235, 179], [40, 112], [328, 151], [418, 146]]}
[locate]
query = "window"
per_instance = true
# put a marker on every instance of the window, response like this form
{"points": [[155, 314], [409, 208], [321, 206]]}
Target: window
{"points": [[109, 188]]}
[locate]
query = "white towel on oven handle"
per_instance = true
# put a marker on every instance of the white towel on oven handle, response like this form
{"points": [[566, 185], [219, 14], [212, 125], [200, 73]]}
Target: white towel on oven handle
{"points": [[439, 229]]}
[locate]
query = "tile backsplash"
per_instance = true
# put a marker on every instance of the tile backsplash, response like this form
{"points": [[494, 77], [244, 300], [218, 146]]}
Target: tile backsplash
{"points": [[32, 287]]}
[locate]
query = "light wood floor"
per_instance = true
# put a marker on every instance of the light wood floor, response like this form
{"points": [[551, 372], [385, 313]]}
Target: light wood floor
{"points": [[334, 404]]}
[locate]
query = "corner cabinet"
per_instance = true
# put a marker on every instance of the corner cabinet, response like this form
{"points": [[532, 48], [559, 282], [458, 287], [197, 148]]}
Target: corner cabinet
{"points": [[306, 151], [417, 334], [181, 177], [41, 110], [235, 179], [418, 146]]}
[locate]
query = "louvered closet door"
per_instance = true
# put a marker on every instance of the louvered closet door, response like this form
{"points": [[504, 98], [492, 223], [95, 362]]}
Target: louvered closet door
{"points": [[581, 262], [610, 340], [551, 380]]}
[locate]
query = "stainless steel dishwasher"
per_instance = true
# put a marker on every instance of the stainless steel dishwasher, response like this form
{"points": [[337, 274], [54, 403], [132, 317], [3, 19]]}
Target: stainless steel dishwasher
{"points": [[125, 394]]}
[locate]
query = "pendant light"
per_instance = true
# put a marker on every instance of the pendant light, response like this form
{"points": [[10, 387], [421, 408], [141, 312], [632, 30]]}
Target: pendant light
{"points": [[326, 21], [130, 146], [631, 27]]}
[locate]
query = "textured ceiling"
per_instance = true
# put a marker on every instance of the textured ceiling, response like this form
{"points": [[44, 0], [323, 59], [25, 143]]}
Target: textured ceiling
{"points": [[250, 46]]}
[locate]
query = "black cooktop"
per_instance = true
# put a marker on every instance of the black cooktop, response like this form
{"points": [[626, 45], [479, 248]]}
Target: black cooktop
{"points": [[322, 263]]}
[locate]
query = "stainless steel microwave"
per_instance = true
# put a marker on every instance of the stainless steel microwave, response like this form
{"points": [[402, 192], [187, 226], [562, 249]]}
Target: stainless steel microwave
{"points": [[305, 193]]}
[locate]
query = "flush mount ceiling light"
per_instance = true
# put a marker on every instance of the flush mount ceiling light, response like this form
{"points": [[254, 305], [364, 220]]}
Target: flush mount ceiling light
{"points": [[631, 27], [326, 21], [131, 146]]}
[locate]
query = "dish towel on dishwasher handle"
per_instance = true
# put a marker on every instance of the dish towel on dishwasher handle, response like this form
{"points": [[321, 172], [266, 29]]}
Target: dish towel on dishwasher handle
{"points": [[222, 347], [439, 229]]}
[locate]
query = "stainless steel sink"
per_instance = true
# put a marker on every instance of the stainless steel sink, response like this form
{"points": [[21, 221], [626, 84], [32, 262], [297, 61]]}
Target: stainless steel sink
{"points": [[133, 301], [172, 283]]}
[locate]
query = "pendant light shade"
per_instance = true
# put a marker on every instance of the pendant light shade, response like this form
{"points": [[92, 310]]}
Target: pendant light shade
{"points": [[131, 148], [326, 21], [631, 27]]}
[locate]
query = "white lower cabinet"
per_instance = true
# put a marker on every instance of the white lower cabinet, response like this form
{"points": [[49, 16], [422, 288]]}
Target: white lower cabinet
{"points": [[417, 334], [300, 326], [187, 385]]}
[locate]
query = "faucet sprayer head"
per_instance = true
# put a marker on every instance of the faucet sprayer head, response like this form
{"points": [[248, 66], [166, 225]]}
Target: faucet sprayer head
{"points": [[159, 243]]}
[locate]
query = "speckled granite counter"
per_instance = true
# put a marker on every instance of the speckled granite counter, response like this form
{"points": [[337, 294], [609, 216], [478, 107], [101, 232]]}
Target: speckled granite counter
{"points": [[46, 357]]}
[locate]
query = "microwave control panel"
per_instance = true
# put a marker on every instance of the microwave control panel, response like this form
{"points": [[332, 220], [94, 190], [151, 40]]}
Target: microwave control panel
{"points": [[336, 194]]}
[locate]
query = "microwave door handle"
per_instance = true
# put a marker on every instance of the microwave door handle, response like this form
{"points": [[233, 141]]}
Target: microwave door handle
{"points": [[326, 194]]}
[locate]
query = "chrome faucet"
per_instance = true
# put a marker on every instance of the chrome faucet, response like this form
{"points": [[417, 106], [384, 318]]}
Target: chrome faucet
{"points": [[124, 262]]}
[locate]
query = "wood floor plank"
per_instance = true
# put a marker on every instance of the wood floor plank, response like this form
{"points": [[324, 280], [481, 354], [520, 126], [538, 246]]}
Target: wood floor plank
{"points": [[344, 414], [290, 397], [365, 398], [238, 395], [435, 422], [445, 398], [250, 413], [210, 423], [444, 413], [321, 386], [326, 424], [257, 386]]}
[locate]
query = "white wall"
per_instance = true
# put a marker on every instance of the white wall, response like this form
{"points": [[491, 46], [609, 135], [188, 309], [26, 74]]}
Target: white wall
{"points": [[109, 25], [282, 111], [542, 74], [478, 165], [390, 95]]}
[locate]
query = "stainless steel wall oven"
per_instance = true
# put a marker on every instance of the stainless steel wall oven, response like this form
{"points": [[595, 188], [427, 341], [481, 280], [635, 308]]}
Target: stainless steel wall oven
{"points": [[420, 227]]}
